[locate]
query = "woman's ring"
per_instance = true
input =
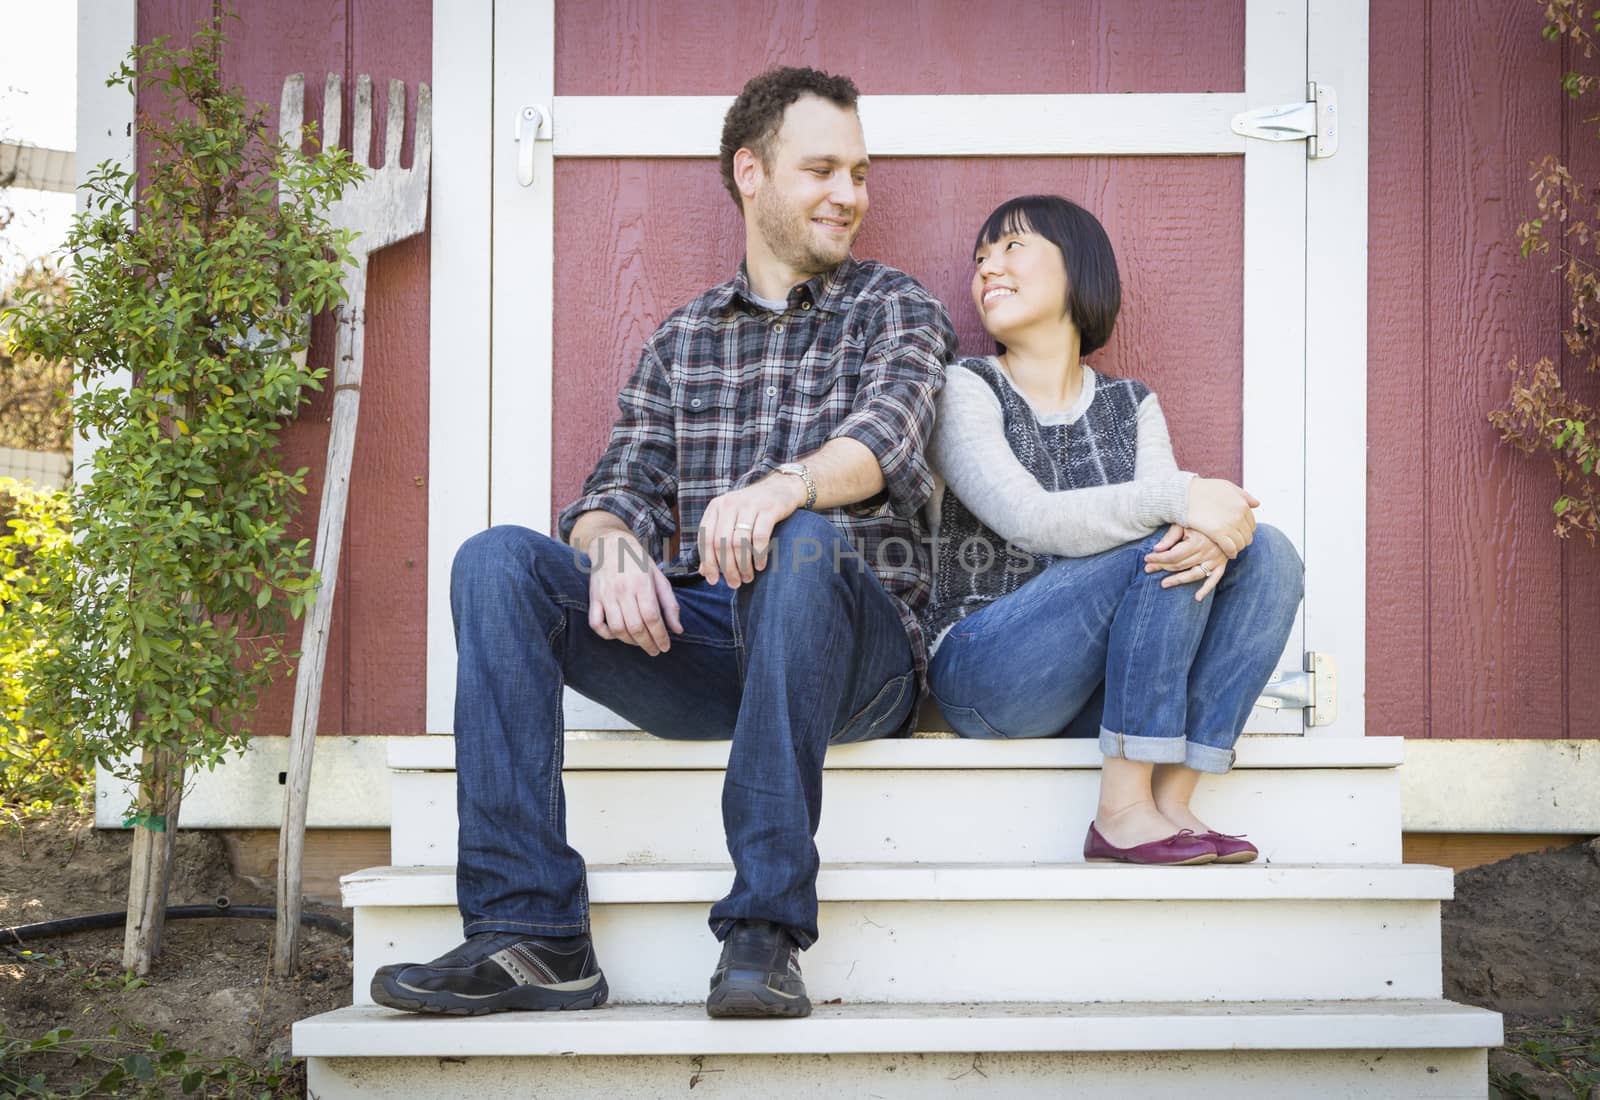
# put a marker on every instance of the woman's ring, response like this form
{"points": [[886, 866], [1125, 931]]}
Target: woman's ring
{"points": [[744, 526], [1205, 568]]}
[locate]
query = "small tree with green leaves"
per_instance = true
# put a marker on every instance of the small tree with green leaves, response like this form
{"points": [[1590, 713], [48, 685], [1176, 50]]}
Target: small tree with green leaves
{"points": [[187, 325]]}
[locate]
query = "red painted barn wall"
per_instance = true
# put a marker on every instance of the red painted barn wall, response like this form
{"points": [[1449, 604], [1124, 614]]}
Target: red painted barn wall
{"points": [[653, 234], [1480, 623], [902, 47], [376, 658]]}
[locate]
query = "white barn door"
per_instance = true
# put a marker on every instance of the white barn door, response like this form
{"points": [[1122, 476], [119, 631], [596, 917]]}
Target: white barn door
{"points": [[501, 127]]}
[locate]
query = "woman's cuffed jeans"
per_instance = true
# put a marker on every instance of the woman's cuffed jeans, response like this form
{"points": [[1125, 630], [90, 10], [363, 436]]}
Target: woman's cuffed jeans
{"points": [[1095, 645], [812, 651]]}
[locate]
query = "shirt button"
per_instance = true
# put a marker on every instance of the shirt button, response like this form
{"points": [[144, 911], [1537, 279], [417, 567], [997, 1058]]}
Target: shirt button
{"points": [[805, 305], [778, 327], [695, 403], [772, 391]]}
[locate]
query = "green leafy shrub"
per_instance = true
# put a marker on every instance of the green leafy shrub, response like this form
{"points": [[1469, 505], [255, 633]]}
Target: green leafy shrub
{"points": [[37, 770]]}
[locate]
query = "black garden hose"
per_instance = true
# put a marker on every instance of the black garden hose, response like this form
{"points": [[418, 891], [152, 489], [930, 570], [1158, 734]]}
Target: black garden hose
{"points": [[222, 907]]}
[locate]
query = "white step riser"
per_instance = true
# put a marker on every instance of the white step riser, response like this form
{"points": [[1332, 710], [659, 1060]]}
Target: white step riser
{"points": [[1044, 951], [883, 815], [1245, 1075]]}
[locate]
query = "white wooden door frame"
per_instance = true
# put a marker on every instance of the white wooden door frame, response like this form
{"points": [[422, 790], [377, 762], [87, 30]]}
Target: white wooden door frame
{"points": [[1335, 609], [491, 429]]}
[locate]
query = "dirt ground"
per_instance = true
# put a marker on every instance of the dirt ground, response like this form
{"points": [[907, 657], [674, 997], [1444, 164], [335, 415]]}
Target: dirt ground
{"points": [[211, 992], [1522, 936]]}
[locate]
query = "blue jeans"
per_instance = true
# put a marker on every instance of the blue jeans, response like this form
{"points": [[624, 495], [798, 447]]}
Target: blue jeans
{"points": [[806, 654], [1096, 646]]}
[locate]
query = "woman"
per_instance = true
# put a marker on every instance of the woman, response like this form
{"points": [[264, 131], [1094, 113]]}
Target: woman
{"points": [[1073, 560]]}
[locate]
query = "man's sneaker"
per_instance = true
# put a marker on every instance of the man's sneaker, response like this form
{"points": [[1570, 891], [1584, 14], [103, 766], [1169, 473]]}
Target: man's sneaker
{"points": [[497, 972], [758, 974]]}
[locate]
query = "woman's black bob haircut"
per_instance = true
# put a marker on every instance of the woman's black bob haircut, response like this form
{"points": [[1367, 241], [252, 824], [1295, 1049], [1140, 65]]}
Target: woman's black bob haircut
{"points": [[1094, 291]]}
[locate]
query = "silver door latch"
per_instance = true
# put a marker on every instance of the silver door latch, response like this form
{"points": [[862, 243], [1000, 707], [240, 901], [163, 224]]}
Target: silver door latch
{"points": [[1316, 122], [1315, 689]]}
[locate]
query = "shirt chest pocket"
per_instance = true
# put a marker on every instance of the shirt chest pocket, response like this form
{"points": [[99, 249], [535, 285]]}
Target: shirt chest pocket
{"points": [[700, 402]]}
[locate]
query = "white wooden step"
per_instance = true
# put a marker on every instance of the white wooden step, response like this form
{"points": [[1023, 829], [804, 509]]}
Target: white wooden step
{"points": [[632, 798], [1021, 932], [631, 750], [1416, 1048]]}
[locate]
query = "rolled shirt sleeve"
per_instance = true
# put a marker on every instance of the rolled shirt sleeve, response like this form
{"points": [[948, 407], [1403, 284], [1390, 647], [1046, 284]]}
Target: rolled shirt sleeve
{"points": [[636, 478], [901, 376]]}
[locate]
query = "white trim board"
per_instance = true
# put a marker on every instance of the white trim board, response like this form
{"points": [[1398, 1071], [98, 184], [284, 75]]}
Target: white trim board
{"points": [[459, 365], [1448, 786], [1272, 391], [1335, 418], [107, 30], [1128, 124]]}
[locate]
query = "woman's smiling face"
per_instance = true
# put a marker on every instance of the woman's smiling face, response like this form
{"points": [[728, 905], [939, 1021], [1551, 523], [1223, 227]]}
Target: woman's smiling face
{"points": [[1019, 280]]}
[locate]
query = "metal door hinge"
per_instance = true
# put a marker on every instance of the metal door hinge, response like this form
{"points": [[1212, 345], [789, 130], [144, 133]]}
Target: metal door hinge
{"points": [[1315, 689], [1314, 122]]}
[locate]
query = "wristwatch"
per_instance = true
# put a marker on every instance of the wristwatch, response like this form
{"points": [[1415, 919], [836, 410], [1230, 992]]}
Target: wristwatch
{"points": [[798, 469]]}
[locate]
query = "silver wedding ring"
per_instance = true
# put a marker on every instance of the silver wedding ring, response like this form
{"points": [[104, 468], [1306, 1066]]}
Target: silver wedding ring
{"points": [[744, 527], [1205, 568]]}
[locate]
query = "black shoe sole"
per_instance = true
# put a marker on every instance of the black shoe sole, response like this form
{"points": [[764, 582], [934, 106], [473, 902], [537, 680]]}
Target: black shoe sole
{"points": [[734, 999], [524, 998]]}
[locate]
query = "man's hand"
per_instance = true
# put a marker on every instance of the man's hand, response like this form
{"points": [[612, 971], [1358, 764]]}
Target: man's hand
{"points": [[1223, 512], [630, 599], [1188, 556], [736, 530]]}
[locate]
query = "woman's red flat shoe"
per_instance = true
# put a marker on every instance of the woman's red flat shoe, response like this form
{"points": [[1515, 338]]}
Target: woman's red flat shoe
{"points": [[1181, 849], [1230, 848]]}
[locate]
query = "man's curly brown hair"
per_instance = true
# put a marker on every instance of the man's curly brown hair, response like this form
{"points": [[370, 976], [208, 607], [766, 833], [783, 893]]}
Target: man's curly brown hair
{"points": [[756, 116]]}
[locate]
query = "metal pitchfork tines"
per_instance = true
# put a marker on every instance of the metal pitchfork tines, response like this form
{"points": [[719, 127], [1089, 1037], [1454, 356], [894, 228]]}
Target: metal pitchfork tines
{"points": [[389, 205]]}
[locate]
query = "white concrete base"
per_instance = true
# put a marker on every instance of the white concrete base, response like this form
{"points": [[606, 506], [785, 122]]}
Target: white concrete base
{"points": [[1310, 815], [924, 933], [1395, 1049]]}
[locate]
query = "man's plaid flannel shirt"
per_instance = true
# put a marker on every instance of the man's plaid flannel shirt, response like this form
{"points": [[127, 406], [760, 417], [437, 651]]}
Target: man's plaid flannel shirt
{"points": [[726, 390]]}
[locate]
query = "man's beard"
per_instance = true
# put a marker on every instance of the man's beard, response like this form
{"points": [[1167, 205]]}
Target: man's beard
{"points": [[787, 232]]}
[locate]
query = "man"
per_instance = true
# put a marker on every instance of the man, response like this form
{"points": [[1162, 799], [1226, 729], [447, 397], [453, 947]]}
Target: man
{"points": [[784, 414]]}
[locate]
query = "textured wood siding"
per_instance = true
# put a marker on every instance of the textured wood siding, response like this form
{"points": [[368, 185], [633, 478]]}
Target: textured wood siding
{"points": [[376, 657], [1479, 621], [637, 238], [902, 47]]}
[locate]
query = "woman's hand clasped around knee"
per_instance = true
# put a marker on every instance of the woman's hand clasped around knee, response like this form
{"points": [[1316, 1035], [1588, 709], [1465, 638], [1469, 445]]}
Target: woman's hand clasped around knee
{"points": [[1190, 557], [1223, 512]]}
